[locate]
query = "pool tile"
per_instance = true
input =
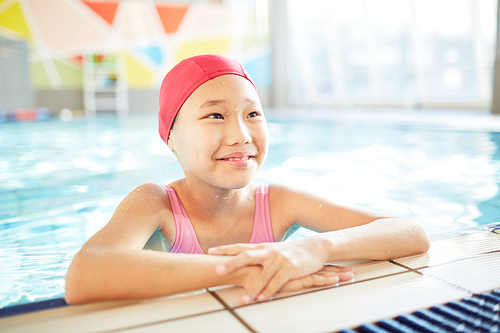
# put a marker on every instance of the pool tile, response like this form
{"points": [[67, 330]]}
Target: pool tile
{"points": [[350, 305], [220, 322], [375, 269], [363, 270], [478, 274], [112, 316], [450, 250]]}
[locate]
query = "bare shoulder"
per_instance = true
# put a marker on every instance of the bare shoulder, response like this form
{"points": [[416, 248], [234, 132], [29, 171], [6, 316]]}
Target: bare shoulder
{"points": [[284, 195], [146, 199], [293, 202], [143, 211], [315, 212], [149, 189]]}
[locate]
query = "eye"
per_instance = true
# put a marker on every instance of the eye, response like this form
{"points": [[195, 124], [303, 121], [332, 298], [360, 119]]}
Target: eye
{"points": [[253, 114], [215, 116]]}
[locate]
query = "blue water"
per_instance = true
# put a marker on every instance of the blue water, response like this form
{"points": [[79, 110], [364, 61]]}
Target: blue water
{"points": [[61, 181]]}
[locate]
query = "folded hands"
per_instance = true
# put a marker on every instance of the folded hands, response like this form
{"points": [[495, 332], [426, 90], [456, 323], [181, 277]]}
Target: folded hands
{"points": [[284, 266]]}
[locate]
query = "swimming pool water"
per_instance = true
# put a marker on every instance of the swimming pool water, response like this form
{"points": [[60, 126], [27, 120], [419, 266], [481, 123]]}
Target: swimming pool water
{"points": [[61, 181]]}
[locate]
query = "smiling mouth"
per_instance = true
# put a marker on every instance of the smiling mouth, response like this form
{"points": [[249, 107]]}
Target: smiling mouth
{"points": [[236, 159]]}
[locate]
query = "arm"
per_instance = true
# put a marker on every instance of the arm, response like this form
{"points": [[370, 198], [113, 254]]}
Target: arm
{"points": [[380, 239], [113, 265], [102, 274], [346, 234]]}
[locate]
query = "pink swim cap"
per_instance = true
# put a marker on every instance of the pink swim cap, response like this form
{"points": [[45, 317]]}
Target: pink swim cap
{"points": [[184, 78]]}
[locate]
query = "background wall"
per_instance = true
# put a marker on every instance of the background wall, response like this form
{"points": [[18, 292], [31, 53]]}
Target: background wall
{"points": [[323, 53], [148, 37]]}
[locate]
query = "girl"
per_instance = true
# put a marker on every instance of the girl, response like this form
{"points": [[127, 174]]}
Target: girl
{"points": [[212, 120]]}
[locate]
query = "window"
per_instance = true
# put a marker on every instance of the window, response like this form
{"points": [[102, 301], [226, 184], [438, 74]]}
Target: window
{"points": [[391, 52]]}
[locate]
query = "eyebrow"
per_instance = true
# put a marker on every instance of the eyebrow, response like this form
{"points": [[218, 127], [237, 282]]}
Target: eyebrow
{"points": [[213, 102]]}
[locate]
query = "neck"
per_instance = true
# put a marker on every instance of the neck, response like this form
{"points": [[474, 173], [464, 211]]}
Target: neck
{"points": [[211, 201]]}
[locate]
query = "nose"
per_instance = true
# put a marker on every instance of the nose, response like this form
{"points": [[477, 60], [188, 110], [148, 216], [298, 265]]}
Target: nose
{"points": [[238, 132]]}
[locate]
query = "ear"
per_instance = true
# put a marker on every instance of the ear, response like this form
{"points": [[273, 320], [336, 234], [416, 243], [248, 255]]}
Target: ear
{"points": [[170, 142]]}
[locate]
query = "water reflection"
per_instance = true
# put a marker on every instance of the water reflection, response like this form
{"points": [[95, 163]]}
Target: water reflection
{"points": [[446, 179], [61, 181], [490, 208]]}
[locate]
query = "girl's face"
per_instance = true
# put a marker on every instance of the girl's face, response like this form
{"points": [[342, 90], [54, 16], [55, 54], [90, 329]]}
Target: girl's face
{"points": [[220, 136]]}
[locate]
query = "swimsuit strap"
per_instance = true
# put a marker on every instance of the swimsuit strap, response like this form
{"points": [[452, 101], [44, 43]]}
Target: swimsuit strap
{"points": [[185, 237], [186, 240], [262, 227]]}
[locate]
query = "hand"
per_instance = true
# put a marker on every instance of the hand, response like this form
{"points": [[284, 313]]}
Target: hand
{"points": [[280, 262], [327, 276]]}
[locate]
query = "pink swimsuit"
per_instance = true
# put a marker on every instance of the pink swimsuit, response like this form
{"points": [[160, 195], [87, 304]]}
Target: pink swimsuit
{"points": [[185, 237]]}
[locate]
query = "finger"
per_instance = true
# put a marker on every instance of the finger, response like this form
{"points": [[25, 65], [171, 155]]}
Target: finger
{"points": [[321, 281], [309, 282], [336, 268], [346, 276], [326, 276], [239, 247], [255, 285], [275, 284], [330, 269], [343, 276], [241, 260], [232, 249], [246, 299], [258, 285]]}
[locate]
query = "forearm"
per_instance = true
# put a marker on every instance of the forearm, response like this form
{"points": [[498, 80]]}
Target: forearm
{"points": [[381, 239], [97, 275]]}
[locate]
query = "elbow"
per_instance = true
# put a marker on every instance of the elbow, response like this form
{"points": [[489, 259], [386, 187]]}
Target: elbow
{"points": [[72, 294], [412, 238], [422, 242], [76, 287]]}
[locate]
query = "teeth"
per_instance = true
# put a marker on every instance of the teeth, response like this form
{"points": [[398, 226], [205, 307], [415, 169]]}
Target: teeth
{"points": [[237, 159]]}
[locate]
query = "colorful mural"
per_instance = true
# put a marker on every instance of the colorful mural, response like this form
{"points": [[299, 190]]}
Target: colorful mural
{"points": [[149, 37]]}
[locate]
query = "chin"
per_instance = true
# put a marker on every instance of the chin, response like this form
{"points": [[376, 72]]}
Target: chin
{"points": [[235, 184], [237, 180]]}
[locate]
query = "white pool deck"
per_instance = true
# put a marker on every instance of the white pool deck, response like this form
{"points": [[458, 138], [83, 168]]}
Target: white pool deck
{"points": [[453, 269]]}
